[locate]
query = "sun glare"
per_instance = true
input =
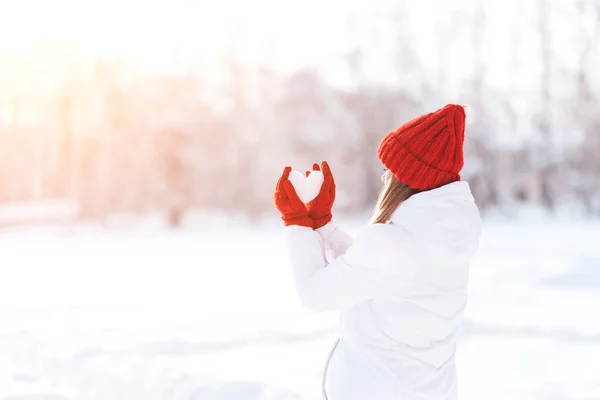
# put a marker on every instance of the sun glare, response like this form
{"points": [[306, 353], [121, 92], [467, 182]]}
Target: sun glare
{"points": [[101, 27], [42, 41]]}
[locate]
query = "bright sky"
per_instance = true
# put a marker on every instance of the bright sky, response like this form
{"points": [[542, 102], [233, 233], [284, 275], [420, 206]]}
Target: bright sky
{"points": [[167, 34], [206, 27], [300, 28]]}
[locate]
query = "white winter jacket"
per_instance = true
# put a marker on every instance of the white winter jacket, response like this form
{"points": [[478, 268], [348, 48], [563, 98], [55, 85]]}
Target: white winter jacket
{"points": [[401, 289]]}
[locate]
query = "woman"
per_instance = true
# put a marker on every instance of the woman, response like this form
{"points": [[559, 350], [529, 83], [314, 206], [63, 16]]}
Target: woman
{"points": [[401, 284]]}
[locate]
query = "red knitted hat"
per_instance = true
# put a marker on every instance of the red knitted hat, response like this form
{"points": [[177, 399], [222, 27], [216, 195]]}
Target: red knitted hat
{"points": [[427, 152]]}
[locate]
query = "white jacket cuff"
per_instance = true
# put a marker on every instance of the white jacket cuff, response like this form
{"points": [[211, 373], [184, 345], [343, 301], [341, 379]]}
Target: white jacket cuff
{"points": [[328, 229]]}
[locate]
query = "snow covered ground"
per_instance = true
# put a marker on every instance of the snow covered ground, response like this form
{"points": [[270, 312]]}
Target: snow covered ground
{"points": [[92, 314]]}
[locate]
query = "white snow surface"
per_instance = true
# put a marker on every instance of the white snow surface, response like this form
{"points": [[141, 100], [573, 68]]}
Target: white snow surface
{"points": [[211, 314]]}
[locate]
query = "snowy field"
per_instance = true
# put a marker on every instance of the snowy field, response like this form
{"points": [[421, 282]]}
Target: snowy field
{"points": [[96, 314]]}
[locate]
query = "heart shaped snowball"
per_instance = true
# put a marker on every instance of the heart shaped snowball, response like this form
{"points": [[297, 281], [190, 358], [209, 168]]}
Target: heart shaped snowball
{"points": [[307, 188]]}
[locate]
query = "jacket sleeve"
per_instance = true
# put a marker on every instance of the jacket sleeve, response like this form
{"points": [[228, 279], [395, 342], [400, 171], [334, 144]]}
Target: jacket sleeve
{"points": [[342, 283], [335, 239]]}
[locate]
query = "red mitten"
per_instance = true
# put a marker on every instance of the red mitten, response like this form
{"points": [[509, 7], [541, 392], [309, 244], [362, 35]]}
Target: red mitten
{"points": [[319, 209], [293, 211]]}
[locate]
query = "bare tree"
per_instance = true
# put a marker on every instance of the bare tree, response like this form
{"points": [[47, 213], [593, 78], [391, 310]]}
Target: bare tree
{"points": [[586, 167]]}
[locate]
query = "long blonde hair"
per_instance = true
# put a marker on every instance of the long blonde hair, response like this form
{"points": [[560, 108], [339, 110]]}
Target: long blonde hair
{"points": [[393, 193]]}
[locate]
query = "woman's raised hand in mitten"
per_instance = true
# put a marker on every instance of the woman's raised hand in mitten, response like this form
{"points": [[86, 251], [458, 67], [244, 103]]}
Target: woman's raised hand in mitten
{"points": [[319, 209], [292, 209]]}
